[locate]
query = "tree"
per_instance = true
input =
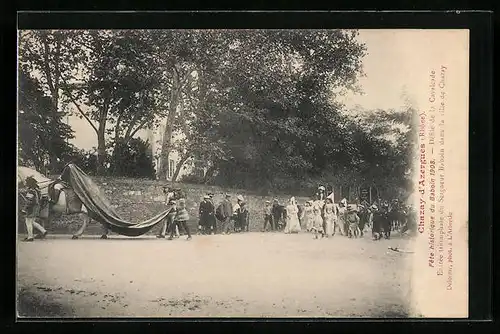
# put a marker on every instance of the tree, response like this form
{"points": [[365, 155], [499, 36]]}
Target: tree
{"points": [[118, 88], [42, 134], [132, 159], [108, 77], [46, 56], [271, 105]]}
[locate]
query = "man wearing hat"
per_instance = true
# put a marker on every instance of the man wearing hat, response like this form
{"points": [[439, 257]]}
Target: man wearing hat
{"points": [[168, 222], [212, 222], [268, 216], [32, 208], [181, 218], [207, 214], [278, 212], [377, 222], [241, 216], [224, 212], [234, 218]]}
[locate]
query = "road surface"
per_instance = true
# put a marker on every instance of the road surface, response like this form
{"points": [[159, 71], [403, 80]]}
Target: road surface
{"points": [[242, 275]]}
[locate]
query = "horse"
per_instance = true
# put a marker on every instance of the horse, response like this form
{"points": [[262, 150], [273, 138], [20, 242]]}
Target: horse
{"points": [[65, 203]]}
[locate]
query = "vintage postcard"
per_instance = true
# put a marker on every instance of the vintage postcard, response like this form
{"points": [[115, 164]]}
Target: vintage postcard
{"points": [[243, 173]]}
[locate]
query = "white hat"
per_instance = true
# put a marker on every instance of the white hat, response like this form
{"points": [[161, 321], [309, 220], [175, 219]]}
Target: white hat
{"points": [[374, 207], [206, 197], [321, 188], [239, 198]]}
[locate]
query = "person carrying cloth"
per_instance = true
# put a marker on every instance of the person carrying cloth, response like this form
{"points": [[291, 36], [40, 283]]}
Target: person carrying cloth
{"points": [[181, 218], [32, 209], [168, 222]]}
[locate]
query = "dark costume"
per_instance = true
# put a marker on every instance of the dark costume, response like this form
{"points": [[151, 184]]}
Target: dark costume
{"points": [[223, 214], [268, 216], [278, 212], [207, 216], [242, 217]]}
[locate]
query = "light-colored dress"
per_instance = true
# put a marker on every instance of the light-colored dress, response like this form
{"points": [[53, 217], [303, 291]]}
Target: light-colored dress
{"points": [[341, 221], [330, 218], [292, 219], [317, 219], [308, 217]]}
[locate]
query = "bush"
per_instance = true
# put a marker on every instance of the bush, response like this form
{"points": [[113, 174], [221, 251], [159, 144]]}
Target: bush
{"points": [[193, 179], [132, 159]]}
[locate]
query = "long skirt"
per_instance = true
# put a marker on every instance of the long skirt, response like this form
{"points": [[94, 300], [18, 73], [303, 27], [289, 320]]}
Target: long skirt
{"points": [[329, 224]]}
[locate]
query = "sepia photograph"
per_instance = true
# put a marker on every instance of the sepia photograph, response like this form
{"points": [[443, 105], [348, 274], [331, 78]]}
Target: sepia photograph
{"points": [[261, 173]]}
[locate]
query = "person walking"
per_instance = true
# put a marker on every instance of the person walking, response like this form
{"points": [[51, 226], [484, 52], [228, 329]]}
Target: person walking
{"points": [[292, 217], [268, 216], [224, 213], [32, 209], [168, 222], [329, 218], [211, 221], [181, 218], [236, 211], [207, 214]]}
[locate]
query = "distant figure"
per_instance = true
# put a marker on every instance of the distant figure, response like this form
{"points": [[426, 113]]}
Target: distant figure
{"points": [[236, 210], [268, 216], [32, 209], [278, 214], [212, 222], [207, 214], [223, 213], [330, 217], [317, 226], [168, 222], [307, 218], [181, 218], [300, 213], [341, 221], [292, 218], [378, 222], [242, 216], [321, 193], [352, 221]]}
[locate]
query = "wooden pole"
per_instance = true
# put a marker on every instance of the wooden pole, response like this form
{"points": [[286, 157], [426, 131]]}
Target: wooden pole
{"points": [[370, 194]]}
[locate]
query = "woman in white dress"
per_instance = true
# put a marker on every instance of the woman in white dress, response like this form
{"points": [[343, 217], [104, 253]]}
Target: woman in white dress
{"points": [[307, 219], [292, 218], [341, 221], [330, 217], [317, 226]]}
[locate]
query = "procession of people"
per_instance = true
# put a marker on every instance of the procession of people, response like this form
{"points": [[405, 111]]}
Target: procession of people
{"points": [[320, 216]]}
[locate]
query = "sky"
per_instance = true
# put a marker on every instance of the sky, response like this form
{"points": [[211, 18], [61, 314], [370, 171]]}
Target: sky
{"points": [[397, 60]]}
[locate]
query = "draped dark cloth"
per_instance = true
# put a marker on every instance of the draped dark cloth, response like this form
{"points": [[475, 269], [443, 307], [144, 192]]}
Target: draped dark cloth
{"points": [[100, 208]]}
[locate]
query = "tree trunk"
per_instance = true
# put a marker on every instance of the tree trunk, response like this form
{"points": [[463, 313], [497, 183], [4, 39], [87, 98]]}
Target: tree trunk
{"points": [[179, 166], [210, 173], [101, 149], [166, 146]]}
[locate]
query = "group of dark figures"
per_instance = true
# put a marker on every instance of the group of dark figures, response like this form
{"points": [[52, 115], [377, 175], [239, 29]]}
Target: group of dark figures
{"points": [[226, 218]]}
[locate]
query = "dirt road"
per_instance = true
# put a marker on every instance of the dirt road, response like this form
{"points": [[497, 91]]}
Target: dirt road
{"points": [[243, 275]]}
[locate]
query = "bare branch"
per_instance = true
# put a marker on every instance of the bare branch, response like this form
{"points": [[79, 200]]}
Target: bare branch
{"points": [[77, 105]]}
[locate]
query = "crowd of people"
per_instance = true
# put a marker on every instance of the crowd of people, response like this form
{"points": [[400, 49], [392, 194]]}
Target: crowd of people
{"points": [[320, 216], [325, 218]]}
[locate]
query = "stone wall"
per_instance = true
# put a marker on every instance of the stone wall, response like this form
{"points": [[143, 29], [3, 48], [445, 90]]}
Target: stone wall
{"points": [[137, 200]]}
